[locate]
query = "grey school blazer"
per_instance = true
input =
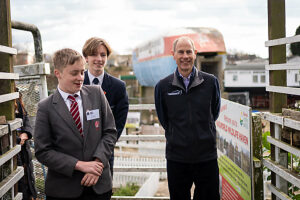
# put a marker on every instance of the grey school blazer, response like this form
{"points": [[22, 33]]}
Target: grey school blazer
{"points": [[59, 146]]}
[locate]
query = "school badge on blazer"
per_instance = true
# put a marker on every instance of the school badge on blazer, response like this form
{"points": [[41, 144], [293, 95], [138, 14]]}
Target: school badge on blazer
{"points": [[97, 123]]}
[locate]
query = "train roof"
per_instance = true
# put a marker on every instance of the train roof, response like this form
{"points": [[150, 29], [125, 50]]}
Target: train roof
{"points": [[206, 39]]}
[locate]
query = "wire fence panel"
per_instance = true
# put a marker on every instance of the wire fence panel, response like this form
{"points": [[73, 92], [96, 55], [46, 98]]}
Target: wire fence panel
{"points": [[29, 88]]}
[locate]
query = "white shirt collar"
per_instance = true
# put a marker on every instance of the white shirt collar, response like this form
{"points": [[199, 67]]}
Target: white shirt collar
{"points": [[91, 78], [68, 102], [65, 95]]}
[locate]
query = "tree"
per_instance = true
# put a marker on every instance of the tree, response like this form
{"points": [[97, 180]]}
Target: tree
{"points": [[295, 47]]}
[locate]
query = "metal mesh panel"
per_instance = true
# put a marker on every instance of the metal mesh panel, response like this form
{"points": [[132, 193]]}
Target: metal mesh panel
{"points": [[29, 88], [39, 172]]}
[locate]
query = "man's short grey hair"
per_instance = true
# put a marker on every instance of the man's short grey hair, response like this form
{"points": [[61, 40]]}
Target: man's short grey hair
{"points": [[183, 38]]}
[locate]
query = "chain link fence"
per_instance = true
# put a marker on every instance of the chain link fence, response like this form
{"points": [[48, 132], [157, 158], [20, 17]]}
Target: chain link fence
{"points": [[29, 88]]}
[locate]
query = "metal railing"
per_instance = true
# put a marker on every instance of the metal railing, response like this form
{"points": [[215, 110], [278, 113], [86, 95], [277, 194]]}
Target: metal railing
{"points": [[32, 80], [38, 48]]}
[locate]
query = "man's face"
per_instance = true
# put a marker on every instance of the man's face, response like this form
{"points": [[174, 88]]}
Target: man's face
{"points": [[184, 56], [98, 61], [70, 80]]}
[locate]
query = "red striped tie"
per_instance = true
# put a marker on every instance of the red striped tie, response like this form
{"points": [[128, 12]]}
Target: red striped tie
{"points": [[75, 112]]}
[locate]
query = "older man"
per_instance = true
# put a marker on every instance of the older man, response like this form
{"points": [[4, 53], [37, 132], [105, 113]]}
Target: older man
{"points": [[187, 104]]}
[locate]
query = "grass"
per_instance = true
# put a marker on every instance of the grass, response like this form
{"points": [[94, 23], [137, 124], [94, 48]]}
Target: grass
{"points": [[129, 190]]}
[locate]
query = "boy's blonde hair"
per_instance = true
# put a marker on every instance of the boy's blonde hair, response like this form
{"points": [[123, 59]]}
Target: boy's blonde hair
{"points": [[65, 57]]}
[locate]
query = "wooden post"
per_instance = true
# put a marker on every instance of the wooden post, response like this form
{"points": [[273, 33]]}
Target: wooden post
{"points": [[7, 109], [257, 177], [277, 55], [6, 86]]}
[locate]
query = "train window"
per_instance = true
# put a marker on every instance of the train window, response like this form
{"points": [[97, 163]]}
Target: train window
{"points": [[255, 78], [262, 78]]}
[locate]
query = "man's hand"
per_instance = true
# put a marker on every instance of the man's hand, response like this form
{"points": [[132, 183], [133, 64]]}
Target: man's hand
{"points": [[89, 180], [92, 167]]}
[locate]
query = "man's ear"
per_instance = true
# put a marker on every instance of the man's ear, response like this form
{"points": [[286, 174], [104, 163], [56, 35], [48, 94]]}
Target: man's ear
{"points": [[195, 51], [57, 73], [172, 52]]}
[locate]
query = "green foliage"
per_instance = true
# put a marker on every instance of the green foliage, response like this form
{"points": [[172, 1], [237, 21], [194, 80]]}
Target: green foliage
{"points": [[265, 143], [266, 148], [295, 47], [296, 163], [292, 190], [129, 190], [297, 197]]}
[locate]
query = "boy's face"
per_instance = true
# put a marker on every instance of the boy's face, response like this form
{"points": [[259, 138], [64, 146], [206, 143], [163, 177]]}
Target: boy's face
{"points": [[70, 80], [97, 61]]}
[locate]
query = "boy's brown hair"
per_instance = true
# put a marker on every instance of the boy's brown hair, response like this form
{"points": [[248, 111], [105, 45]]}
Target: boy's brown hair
{"points": [[90, 47], [65, 57]]}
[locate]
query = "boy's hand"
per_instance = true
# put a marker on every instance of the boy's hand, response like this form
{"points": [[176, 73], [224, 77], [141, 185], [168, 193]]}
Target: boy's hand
{"points": [[89, 180], [93, 167]]}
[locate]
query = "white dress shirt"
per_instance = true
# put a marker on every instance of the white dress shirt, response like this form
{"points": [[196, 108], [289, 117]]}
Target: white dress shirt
{"points": [[68, 103], [100, 78]]}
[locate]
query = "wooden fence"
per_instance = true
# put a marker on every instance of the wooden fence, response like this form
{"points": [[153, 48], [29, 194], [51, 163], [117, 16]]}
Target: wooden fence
{"points": [[282, 172], [10, 174]]}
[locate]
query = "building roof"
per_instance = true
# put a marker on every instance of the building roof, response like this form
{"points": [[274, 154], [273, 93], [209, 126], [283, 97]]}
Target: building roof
{"points": [[257, 64]]}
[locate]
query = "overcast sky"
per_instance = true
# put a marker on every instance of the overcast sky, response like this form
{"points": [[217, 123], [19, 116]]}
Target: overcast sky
{"points": [[128, 23]]}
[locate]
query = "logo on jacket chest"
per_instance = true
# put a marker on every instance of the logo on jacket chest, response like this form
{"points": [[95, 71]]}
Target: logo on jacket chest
{"points": [[175, 92]]}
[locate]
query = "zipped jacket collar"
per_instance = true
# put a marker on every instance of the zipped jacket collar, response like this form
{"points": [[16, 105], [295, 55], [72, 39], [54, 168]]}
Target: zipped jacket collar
{"points": [[196, 80]]}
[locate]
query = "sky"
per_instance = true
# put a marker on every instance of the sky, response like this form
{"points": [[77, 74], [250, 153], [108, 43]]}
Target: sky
{"points": [[125, 24]]}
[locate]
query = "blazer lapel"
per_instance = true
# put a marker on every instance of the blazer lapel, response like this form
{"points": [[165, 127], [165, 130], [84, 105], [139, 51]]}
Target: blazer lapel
{"points": [[106, 83], [86, 80], [86, 105], [62, 109]]}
